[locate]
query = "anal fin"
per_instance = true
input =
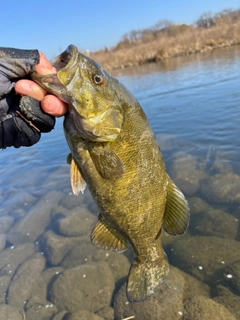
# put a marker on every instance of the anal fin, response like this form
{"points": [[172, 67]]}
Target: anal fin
{"points": [[106, 237], [176, 217]]}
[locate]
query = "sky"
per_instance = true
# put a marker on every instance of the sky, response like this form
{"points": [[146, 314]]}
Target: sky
{"points": [[50, 26]]}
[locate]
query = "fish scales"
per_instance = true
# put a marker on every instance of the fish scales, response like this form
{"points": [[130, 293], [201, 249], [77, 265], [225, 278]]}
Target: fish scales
{"points": [[114, 150]]}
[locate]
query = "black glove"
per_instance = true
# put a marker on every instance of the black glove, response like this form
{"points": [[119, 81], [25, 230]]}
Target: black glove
{"points": [[21, 118]]}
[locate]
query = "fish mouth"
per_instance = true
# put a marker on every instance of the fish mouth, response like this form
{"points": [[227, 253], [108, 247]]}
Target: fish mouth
{"points": [[64, 59], [66, 64]]}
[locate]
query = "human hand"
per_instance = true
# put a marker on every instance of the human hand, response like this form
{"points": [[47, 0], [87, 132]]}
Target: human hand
{"points": [[21, 118], [49, 103]]}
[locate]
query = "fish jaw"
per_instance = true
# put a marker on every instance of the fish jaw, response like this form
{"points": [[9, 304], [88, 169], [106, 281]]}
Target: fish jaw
{"points": [[59, 83]]}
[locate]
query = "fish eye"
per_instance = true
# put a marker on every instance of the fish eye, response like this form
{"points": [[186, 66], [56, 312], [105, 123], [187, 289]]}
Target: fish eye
{"points": [[98, 79]]}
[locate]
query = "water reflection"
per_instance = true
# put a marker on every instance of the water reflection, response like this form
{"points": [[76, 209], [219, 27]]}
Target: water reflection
{"points": [[48, 267]]}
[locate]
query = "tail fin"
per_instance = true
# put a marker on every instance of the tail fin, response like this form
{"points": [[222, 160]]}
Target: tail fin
{"points": [[144, 277]]}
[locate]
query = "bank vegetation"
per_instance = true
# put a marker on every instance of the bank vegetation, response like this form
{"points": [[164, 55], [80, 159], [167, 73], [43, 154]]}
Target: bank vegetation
{"points": [[165, 40]]}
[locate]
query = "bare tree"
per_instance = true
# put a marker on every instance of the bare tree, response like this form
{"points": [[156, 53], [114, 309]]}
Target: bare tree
{"points": [[206, 20]]}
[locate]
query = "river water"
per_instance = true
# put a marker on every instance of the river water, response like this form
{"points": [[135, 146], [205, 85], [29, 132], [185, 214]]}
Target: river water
{"points": [[48, 267]]}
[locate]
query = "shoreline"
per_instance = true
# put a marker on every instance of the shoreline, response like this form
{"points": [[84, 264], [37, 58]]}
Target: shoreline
{"points": [[193, 40]]}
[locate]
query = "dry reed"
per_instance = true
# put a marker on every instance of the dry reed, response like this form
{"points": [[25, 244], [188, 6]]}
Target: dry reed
{"points": [[184, 41]]}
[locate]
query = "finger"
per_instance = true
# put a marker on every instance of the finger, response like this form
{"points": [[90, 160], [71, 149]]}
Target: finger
{"points": [[30, 88], [52, 105], [44, 66]]}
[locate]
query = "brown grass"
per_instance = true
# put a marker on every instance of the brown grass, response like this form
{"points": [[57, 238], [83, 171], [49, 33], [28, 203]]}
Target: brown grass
{"points": [[170, 42]]}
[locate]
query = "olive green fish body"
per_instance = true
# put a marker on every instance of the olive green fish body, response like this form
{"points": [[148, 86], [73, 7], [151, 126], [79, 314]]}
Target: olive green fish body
{"points": [[114, 151]]}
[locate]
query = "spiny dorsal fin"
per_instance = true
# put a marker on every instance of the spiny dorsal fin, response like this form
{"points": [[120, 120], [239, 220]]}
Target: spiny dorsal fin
{"points": [[106, 162], [106, 237], [176, 217], [78, 184]]}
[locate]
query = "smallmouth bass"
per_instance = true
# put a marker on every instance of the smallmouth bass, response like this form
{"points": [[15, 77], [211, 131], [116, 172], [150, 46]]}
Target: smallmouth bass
{"points": [[114, 152]]}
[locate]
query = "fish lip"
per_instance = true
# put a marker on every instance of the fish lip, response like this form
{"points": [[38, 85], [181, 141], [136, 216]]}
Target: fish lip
{"points": [[64, 60], [51, 81]]}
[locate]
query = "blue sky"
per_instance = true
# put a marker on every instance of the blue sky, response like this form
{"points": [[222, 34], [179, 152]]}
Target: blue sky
{"points": [[51, 26]]}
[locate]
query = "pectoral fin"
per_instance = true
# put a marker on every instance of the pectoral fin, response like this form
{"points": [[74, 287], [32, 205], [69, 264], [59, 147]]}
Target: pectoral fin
{"points": [[78, 184], [106, 162], [176, 217], [106, 237]]}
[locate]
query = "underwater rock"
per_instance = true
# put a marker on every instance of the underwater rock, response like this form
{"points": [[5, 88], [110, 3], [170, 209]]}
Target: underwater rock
{"points": [[192, 286], [81, 253], [229, 300], [4, 283], [41, 312], [117, 262], [164, 304], [88, 286], [168, 239], [197, 205], [186, 174], [233, 276], [17, 198], [202, 308], [55, 247], [33, 224], [40, 288], [13, 256], [222, 188], [85, 252], [5, 223], [76, 223], [17, 214], [50, 274], [26, 275], [70, 201], [205, 258], [83, 315], [106, 313], [58, 212], [169, 142], [60, 315], [215, 223], [2, 241], [8, 312]]}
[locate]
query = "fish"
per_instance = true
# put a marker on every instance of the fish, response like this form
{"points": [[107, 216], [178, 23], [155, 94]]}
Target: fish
{"points": [[114, 151]]}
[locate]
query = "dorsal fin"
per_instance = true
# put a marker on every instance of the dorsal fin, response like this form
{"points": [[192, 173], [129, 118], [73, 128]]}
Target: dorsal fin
{"points": [[176, 217]]}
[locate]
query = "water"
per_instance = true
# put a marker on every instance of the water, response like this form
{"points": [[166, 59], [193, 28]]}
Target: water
{"points": [[193, 106]]}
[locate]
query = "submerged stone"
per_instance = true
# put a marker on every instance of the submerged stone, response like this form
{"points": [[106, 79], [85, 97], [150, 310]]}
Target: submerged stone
{"points": [[216, 223], [9, 312], [2, 241], [4, 283], [76, 223], [13, 256], [83, 315], [206, 258], [165, 303], [22, 283], [88, 286], [229, 300], [186, 174], [33, 224], [5, 223], [202, 308], [55, 246], [222, 188]]}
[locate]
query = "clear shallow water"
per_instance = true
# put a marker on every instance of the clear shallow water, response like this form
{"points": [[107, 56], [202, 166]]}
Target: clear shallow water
{"points": [[193, 106]]}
